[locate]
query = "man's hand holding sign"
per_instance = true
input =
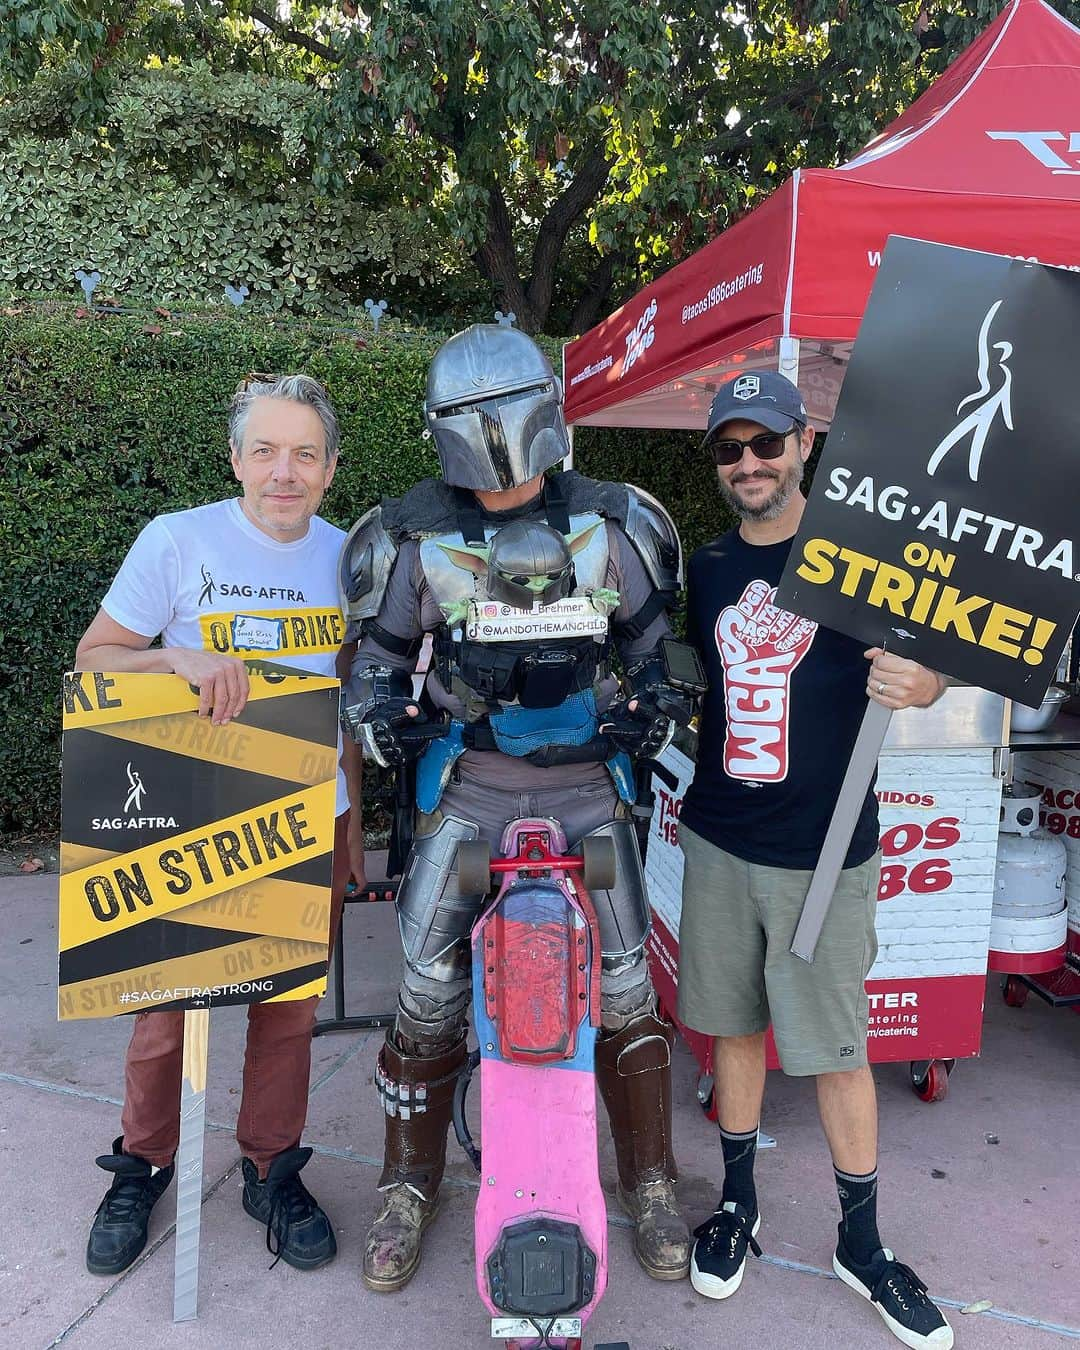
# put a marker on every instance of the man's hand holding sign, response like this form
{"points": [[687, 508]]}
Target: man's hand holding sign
{"points": [[894, 682], [222, 681]]}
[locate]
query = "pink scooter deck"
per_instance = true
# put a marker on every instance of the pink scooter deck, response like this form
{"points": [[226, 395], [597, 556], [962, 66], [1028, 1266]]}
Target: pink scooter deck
{"points": [[541, 1219]]}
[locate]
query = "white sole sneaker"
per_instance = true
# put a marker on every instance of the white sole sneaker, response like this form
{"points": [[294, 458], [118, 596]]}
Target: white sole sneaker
{"points": [[712, 1286], [940, 1339]]}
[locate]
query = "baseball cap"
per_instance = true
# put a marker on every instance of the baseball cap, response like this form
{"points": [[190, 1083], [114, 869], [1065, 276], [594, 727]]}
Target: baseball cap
{"points": [[758, 396]]}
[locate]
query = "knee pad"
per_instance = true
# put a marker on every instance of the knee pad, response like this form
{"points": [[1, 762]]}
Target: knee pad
{"points": [[432, 916], [626, 992], [432, 1012]]}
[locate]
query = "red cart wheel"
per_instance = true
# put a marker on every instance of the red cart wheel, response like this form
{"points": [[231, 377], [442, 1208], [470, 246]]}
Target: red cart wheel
{"points": [[934, 1086], [1014, 991]]}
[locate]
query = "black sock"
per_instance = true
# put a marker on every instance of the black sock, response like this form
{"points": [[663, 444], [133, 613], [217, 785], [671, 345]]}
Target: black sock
{"points": [[739, 1152], [858, 1206]]}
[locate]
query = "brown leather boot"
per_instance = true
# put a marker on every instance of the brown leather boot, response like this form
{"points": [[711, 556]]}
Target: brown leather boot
{"points": [[633, 1068], [418, 1095]]}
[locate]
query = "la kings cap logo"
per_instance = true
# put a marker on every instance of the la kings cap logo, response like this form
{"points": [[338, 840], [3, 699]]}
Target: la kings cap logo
{"points": [[746, 387]]}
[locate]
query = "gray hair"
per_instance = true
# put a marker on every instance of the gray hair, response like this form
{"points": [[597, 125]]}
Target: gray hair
{"points": [[292, 389]]}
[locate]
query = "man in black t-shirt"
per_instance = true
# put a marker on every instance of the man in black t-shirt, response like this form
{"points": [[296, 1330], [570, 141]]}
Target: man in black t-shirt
{"points": [[785, 701]]}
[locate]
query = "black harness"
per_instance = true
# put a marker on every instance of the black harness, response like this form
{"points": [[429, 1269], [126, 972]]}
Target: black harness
{"points": [[536, 675]]}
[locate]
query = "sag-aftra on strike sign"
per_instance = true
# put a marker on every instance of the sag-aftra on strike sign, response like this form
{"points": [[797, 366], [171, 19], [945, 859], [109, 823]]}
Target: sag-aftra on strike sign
{"points": [[195, 860], [943, 521]]}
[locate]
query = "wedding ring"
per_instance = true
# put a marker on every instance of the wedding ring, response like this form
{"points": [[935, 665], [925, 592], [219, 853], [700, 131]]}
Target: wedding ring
{"points": [[881, 688]]}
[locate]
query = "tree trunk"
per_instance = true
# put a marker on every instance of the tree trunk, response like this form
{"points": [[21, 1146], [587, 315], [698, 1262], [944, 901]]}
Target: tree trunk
{"points": [[580, 193], [496, 260], [594, 300]]}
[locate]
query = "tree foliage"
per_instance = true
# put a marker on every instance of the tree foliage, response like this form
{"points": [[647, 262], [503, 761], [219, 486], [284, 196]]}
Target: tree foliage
{"points": [[174, 178], [547, 156]]}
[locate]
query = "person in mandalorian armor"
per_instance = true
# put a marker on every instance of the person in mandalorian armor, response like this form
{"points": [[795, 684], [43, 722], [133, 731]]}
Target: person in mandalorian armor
{"points": [[546, 596]]}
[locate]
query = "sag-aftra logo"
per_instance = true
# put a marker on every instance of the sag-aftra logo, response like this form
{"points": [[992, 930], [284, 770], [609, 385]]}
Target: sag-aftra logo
{"points": [[132, 818]]}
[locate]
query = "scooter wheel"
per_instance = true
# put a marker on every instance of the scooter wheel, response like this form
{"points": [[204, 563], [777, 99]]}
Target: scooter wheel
{"points": [[474, 867], [598, 855]]}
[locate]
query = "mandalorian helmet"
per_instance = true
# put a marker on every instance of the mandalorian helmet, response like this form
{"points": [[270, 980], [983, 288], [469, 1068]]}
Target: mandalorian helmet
{"points": [[494, 406], [529, 564]]}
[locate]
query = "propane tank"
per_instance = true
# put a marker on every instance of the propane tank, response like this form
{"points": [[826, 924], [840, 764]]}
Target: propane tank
{"points": [[1029, 920]]}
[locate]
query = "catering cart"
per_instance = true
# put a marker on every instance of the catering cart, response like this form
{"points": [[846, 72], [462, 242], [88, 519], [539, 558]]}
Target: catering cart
{"points": [[939, 788]]}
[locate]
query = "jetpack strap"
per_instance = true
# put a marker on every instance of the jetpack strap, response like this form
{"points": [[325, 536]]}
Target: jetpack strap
{"points": [[391, 642], [656, 604], [555, 508], [470, 521]]}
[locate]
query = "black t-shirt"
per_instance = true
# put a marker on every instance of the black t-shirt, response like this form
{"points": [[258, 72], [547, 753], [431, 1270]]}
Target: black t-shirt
{"points": [[784, 706]]}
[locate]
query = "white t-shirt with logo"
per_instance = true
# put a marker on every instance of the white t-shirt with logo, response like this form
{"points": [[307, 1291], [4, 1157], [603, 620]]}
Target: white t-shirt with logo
{"points": [[208, 578]]}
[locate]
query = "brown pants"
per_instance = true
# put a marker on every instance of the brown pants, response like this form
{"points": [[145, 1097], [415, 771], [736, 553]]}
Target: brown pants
{"points": [[277, 1064]]}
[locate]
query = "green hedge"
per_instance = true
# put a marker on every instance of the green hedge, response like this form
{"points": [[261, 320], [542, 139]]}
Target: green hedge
{"points": [[106, 421]]}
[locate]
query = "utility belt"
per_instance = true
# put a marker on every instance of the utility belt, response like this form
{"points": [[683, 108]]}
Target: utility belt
{"points": [[532, 676]]}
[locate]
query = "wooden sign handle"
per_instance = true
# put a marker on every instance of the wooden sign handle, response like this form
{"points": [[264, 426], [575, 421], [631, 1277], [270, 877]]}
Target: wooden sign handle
{"points": [[860, 770], [189, 1165]]}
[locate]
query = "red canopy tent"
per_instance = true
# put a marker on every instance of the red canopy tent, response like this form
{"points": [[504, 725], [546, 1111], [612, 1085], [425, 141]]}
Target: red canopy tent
{"points": [[986, 158]]}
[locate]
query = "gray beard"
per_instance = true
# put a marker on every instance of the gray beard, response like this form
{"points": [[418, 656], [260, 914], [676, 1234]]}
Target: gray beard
{"points": [[774, 505]]}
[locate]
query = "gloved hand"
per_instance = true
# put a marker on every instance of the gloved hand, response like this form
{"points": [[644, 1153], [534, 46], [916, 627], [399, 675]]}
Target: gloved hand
{"points": [[638, 726], [392, 732]]}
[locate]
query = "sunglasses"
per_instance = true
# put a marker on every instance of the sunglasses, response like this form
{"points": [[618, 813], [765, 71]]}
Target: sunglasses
{"points": [[522, 580], [765, 445]]}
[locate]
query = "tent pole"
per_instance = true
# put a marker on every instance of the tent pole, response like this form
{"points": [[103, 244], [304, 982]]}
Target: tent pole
{"points": [[789, 358], [568, 462]]}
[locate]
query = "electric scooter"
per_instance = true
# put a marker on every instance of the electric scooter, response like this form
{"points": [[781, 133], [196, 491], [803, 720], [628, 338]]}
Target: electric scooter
{"points": [[541, 1219]]}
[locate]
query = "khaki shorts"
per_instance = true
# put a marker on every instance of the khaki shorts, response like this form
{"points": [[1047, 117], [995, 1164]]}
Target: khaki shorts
{"points": [[736, 972]]}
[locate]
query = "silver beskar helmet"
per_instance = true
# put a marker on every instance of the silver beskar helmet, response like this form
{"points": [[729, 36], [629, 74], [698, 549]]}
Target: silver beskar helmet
{"points": [[529, 564], [494, 407]]}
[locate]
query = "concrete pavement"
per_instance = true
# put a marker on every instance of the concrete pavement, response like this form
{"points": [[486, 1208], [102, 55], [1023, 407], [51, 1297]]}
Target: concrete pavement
{"points": [[980, 1192]]}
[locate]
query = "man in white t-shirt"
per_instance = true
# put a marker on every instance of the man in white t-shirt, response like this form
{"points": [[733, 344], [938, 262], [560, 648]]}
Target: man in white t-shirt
{"points": [[245, 578]]}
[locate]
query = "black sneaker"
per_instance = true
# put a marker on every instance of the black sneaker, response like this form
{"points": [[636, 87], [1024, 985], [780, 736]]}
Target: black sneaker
{"points": [[297, 1230], [719, 1256], [899, 1296], [118, 1233]]}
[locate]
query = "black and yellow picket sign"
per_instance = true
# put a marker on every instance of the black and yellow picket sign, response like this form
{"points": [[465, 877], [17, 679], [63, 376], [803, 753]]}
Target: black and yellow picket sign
{"points": [[942, 521], [195, 861]]}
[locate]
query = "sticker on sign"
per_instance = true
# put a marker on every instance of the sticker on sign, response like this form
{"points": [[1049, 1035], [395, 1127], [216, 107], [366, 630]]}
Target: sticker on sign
{"points": [[575, 616]]}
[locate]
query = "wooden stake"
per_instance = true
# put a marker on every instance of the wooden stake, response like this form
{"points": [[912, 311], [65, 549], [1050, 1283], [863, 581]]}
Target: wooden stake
{"points": [[189, 1165], [860, 770]]}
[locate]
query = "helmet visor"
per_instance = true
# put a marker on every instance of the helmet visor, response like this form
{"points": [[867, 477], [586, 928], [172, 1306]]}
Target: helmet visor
{"points": [[498, 430]]}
